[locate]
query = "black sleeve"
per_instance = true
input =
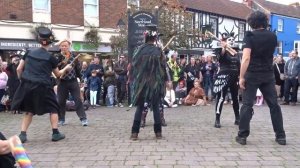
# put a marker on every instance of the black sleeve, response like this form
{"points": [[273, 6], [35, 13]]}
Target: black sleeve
{"points": [[247, 42], [54, 62]]}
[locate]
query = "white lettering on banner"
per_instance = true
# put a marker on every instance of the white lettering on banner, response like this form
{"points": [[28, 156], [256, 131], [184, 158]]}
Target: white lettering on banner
{"points": [[12, 44], [32, 45]]}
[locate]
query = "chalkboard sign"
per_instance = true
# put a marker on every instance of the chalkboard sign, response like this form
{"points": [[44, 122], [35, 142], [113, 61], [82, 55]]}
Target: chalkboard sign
{"points": [[136, 28]]}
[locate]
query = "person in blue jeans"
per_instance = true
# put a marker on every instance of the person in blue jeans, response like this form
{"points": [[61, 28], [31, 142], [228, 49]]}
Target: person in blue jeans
{"points": [[208, 70], [109, 82], [93, 84]]}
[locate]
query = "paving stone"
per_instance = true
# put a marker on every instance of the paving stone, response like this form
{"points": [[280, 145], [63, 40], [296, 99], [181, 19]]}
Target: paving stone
{"points": [[190, 140]]}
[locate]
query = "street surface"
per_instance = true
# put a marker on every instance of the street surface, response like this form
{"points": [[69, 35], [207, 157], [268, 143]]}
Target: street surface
{"points": [[190, 140]]}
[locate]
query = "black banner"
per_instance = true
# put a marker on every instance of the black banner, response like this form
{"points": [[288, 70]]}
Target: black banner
{"points": [[136, 28]]}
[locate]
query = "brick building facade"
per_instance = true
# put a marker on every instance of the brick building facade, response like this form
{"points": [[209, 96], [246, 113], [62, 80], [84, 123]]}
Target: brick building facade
{"points": [[67, 18]]}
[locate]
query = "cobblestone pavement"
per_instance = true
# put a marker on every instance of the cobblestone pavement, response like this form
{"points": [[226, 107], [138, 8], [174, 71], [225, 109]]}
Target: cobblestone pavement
{"points": [[190, 140]]}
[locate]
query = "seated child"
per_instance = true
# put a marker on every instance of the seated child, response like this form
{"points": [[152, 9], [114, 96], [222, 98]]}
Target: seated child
{"points": [[169, 99]]}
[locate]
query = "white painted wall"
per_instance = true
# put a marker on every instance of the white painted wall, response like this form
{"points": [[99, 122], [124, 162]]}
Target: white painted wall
{"points": [[19, 30], [41, 17], [229, 25]]}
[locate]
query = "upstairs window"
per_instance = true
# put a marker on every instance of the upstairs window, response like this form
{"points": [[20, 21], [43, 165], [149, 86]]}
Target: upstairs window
{"points": [[41, 5], [280, 25], [214, 23], [91, 8], [279, 47], [241, 31], [135, 3]]}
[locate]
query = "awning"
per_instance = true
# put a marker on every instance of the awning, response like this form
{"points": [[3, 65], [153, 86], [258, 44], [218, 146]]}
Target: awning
{"points": [[77, 46]]}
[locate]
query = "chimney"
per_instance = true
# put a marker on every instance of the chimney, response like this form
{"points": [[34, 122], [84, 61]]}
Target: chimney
{"points": [[248, 3]]}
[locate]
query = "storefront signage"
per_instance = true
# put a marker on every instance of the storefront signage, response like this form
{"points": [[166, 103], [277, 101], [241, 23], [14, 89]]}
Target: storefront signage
{"points": [[17, 44], [11, 44]]}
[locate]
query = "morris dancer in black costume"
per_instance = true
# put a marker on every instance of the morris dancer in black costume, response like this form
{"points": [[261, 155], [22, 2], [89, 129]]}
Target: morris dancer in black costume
{"points": [[148, 70], [35, 94], [227, 77]]}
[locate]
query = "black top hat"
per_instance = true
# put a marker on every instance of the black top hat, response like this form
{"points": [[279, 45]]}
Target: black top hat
{"points": [[151, 27], [14, 55], [44, 32]]}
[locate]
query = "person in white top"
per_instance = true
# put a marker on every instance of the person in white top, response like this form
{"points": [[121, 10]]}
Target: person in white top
{"points": [[169, 99]]}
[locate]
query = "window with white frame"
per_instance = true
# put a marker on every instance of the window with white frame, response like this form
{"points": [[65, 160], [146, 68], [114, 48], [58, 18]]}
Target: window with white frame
{"points": [[214, 23], [298, 28], [135, 3], [41, 5], [241, 31], [297, 46], [280, 25], [279, 47], [91, 8]]}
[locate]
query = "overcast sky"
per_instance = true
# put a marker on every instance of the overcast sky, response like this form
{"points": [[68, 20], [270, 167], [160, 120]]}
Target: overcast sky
{"points": [[277, 1], [284, 1]]}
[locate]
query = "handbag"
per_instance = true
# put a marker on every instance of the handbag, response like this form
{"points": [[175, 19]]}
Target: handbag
{"points": [[281, 75], [4, 99]]}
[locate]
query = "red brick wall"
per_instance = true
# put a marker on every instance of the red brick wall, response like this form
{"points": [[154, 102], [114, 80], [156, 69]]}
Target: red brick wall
{"points": [[110, 12], [67, 12], [22, 9]]}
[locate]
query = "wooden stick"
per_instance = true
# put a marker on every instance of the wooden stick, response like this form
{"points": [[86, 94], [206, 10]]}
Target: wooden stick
{"points": [[228, 48], [168, 43]]}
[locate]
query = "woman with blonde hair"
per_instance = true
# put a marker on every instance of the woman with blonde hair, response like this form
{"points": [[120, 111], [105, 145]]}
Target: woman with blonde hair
{"points": [[170, 99]]}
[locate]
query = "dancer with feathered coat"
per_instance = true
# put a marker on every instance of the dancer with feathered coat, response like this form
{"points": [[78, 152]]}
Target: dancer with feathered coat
{"points": [[148, 70]]}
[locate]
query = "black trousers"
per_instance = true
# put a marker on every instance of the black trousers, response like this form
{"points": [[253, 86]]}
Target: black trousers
{"points": [[288, 84], [138, 116], [266, 83], [234, 89], [121, 90], [63, 89]]}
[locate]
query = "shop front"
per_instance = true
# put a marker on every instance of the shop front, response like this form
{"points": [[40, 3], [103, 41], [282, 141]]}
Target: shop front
{"points": [[9, 46]]}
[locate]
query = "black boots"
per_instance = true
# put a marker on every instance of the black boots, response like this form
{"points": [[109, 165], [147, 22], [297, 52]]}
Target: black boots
{"points": [[143, 119], [157, 131], [135, 130], [144, 114], [134, 136], [162, 118], [217, 123], [241, 140]]}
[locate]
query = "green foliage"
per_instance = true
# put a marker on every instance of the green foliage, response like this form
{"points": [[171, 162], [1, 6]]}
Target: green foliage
{"points": [[119, 43], [93, 38], [34, 28], [174, 20]]}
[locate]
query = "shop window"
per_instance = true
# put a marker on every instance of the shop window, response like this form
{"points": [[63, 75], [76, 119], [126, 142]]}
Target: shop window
{"points": [[41, 5]]}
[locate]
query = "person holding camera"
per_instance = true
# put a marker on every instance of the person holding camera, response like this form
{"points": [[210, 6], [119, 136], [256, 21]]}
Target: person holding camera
{"points": [[13, 80]]}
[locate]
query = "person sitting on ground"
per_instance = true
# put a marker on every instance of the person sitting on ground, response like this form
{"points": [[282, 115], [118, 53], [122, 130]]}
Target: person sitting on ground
{"points": [[196, 95], [180, 91], [169, 99]]}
